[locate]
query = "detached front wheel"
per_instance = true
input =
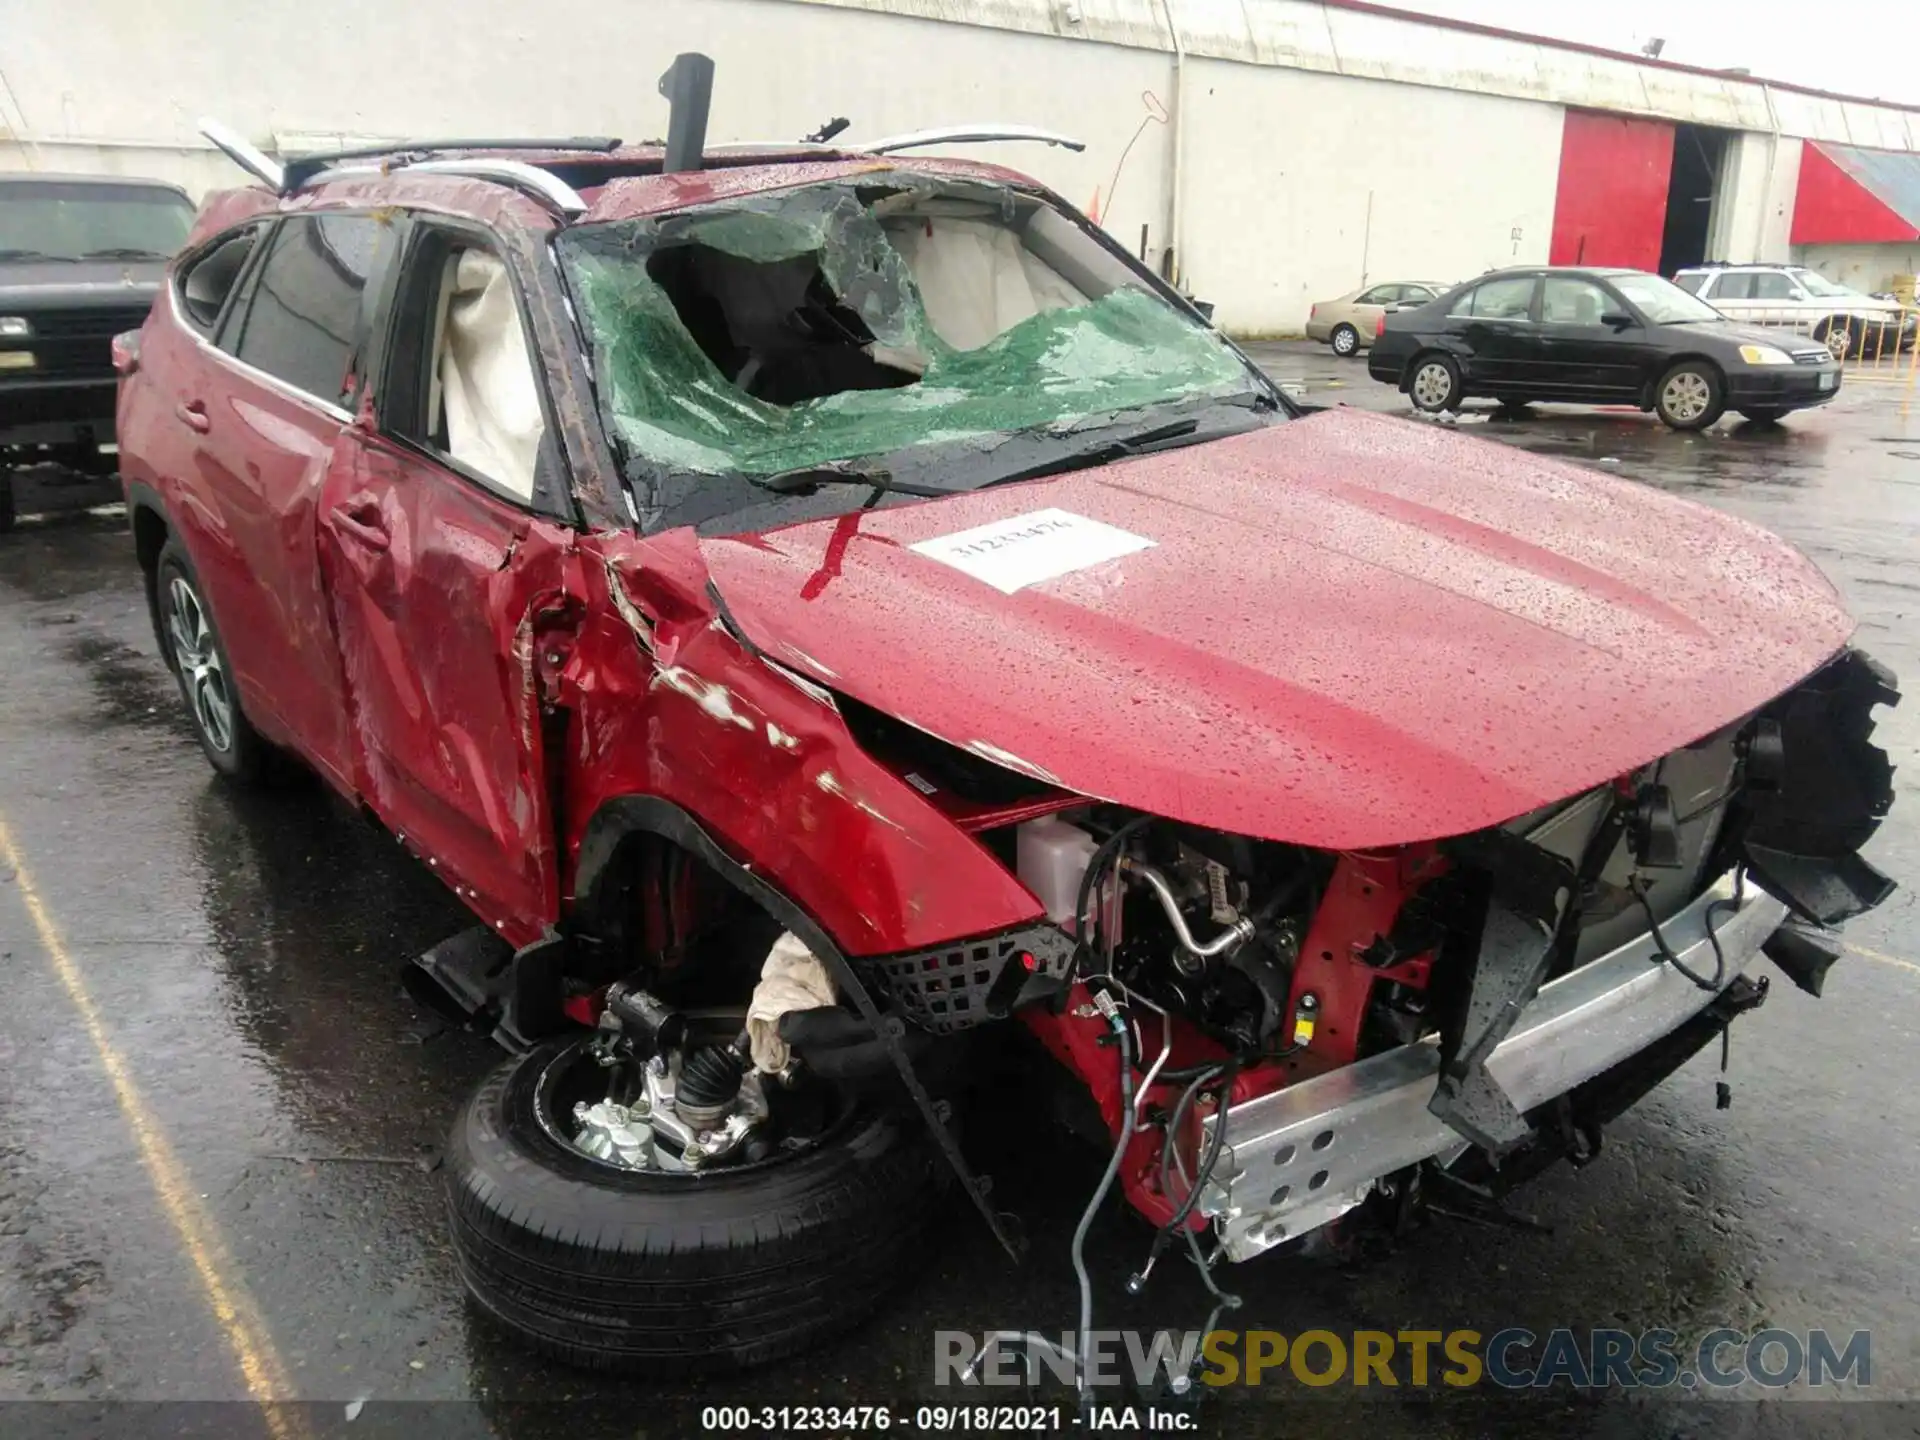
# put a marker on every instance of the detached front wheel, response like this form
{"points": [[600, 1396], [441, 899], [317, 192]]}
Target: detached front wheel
{"points": [[579, 1226]]}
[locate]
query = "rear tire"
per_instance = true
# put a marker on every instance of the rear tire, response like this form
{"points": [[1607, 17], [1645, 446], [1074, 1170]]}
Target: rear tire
{"points": [[1433, 383], [1345, 340], [1690, 396], [194, 652], [662, 1274]]}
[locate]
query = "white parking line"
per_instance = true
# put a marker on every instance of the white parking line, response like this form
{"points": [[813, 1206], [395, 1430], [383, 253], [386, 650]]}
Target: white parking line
{"points": [[1884, 959]]}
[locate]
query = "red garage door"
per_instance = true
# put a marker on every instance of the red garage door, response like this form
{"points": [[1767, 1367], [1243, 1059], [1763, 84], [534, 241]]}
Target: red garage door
{"points": [[1611, 208]]}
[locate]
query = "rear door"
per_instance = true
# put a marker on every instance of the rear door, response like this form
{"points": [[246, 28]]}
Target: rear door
{"points": [[1502, 341], [264, 414], [445, 568]]}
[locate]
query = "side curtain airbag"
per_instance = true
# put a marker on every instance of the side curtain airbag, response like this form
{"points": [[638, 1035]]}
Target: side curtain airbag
{"points": [[493, 414]]}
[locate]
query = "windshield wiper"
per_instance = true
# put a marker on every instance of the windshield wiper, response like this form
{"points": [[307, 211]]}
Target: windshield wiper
{"points": [[31, 255], [1102, 453], [123, 252], [806, 479]]}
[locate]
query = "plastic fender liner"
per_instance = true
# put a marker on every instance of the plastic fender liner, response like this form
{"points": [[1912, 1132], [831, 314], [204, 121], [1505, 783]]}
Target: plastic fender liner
{"points": [[1532, 894], [1835, 785], [627, 815]]}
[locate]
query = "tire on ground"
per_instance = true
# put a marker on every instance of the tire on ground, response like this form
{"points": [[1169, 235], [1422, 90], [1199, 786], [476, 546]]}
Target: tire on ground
{"points": [[1690, 406], [1426, 390], [649, 1273], [246, 759], [1837, 333], [1345, 340]]}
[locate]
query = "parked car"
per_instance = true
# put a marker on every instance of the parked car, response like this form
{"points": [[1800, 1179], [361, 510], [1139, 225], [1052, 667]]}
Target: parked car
{"points": [[1792, 297], [80, 261], [822, 610], [1596, 336], [1348, 324]]}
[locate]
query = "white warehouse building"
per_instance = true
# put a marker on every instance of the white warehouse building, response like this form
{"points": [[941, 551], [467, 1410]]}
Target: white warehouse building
{"points": [[1266, 153]]}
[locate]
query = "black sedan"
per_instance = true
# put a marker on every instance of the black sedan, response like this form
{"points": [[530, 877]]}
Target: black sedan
{"points": [[1595, 336]]}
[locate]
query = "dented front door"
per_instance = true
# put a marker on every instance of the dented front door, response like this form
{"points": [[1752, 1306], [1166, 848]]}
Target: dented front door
{"points": [[436, 590]]}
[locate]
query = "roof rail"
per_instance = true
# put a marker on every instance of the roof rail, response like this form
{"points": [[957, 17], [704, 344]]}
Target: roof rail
{"points": [[244, 153], [965, 135], [542, 185], [754, 147], [301, 169]]}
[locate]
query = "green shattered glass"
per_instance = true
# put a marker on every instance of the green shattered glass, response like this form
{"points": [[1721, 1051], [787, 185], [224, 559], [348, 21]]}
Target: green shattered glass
{"points": [[673, 407]]}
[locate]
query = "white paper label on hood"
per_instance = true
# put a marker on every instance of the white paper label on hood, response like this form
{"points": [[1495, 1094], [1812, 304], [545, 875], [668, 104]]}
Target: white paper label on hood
{"points": [[1025, 549]]}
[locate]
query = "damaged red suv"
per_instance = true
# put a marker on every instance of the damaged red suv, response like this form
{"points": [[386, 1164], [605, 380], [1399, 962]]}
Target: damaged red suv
{"points": [[814, 604]]}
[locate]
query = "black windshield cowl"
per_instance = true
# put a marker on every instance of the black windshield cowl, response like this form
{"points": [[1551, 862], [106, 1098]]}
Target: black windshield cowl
{"points": [[807, 479], [1120, 447]]}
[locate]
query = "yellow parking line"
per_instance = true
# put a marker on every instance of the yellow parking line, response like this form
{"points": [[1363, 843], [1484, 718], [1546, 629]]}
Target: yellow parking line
{"points": [[1865, 953], [232, 1306]]}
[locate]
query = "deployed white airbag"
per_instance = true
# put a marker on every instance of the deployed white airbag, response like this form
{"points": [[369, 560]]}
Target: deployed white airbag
{"points": [[975, 278], [486, 377], [791, 979]]}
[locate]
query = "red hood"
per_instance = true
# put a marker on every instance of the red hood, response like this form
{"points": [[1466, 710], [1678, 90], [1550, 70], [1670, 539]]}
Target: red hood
{"points": [[1349, 630]]}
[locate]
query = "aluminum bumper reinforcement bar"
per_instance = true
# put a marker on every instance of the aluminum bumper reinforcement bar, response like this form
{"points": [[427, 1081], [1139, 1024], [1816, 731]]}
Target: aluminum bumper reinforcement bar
{"points": [[1297, 1158]]}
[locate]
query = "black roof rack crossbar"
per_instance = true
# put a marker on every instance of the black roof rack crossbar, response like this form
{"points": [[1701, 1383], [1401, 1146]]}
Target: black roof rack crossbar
{"points": [[298, 171]]}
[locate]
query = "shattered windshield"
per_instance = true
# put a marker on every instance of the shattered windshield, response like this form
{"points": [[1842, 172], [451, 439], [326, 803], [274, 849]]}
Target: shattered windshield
{"points": [[920, 325]]}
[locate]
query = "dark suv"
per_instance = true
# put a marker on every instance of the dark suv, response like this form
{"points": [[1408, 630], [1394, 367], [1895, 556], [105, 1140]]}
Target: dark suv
{"points": [[814, 605], [81, 258]]}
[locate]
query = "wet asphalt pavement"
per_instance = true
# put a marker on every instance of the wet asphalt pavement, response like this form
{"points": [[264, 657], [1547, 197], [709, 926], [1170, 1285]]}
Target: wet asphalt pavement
{"points": [[219, 1113]]}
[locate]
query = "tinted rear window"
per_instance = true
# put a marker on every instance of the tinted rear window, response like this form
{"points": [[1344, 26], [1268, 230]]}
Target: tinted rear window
{"points": [[303, 318]]}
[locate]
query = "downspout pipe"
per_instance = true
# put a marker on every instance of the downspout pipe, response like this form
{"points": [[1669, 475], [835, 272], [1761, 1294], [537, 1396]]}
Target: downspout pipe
{"points": [[1177, 141], [1766, 194]]}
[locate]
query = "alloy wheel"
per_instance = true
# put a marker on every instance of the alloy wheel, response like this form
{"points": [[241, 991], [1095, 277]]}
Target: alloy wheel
{"points": [[1345, 341], [198, 660], [1432, 385], [1686, 396]]}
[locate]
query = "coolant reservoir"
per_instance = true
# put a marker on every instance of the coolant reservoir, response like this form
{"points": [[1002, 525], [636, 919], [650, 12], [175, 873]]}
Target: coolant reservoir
{"points": [[1051, 857]]}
